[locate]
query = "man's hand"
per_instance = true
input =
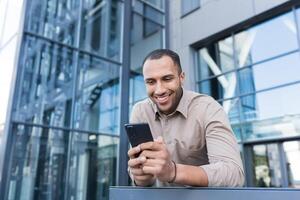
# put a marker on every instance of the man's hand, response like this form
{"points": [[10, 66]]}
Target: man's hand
{"points": [[157, 160], [135, 165]]}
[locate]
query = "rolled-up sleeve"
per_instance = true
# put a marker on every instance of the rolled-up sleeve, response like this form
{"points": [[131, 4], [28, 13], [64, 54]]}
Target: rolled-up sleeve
{"points": [[225, 166]]}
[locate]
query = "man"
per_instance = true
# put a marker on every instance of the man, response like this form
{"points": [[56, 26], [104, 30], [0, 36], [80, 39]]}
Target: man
{"points": [[194, 144]]}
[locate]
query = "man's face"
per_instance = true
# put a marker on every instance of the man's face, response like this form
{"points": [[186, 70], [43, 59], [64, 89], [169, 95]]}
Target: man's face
{"points": [[163, 83]]}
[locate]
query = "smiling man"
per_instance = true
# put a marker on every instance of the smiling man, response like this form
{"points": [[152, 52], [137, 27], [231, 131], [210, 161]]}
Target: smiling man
{"points": [[194, 144]]}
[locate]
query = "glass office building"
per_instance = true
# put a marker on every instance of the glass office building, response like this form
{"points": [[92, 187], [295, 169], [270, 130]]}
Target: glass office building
{"points": [[64, 129], [64, 137], [254, 74]]}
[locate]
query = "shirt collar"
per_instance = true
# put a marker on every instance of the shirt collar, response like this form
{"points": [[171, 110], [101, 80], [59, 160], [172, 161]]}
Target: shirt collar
{"points": [[181, 108]]}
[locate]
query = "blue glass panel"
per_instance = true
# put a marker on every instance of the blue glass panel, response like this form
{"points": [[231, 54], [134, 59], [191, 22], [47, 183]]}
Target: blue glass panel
{"points": [[258, 44], [38, 154], [189, 5], [274, 113], [231, 107], [57, 20], [97, 103], [101, 28], [270, 74], [237, 132], [221, 87], [216, 58], [93, 166], [298, 20], [45, 89]]}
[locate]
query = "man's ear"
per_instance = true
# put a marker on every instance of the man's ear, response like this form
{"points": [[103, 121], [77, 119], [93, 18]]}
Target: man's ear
{"points": [[182, 77]]}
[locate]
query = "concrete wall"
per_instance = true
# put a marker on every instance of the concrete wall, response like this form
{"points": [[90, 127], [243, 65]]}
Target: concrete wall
{"points": [[212, 17]]}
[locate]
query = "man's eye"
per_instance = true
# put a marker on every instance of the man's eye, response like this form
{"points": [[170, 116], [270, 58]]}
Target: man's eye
{"points": [[168, 78], [150, 82]]}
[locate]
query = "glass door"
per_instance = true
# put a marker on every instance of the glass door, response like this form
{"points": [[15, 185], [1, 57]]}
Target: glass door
{"points": [[266, 165], [273, 164], [292, 154]]}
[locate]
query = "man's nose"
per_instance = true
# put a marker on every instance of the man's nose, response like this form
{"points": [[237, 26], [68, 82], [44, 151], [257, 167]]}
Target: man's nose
{"points": [[160, 89]]}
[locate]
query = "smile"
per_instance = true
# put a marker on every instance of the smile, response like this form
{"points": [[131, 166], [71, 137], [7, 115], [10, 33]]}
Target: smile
{"points": [[162, 99]]}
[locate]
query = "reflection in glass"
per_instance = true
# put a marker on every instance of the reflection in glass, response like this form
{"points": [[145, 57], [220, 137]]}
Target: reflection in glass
{"points": [[298, 19], [231, 107], [101, 28], [157, 3], [189, 5], [266, 163], [237, 132], [147, 22], [137, 89], [292, 153], [273, 114], [221, 87], [273, 103], [216, 58], [57, 20], [284, 70], [93, 164], [257, 43], [46, 83], [38, 163], [97, 105]]}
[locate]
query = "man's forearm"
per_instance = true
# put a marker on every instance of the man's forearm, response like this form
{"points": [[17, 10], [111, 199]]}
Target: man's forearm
{"points": [[191, 175]]}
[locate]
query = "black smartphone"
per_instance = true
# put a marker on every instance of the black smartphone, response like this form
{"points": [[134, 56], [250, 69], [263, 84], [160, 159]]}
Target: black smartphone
{"points": [[138, 133]]}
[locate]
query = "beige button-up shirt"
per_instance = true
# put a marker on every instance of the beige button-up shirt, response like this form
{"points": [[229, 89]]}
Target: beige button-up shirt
{"points": [[198, 133]]}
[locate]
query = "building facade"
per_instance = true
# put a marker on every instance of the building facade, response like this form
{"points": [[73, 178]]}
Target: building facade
{"points": [[78, 73], [246, 55], [73, 74]]}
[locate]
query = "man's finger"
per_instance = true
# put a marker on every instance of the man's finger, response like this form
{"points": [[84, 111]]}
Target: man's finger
{"points": [[143, 177], [134, 151], [159, 139], [150, 170], [151, 154], [137, 171], [154, 162], [154, 146], [136, 161]]}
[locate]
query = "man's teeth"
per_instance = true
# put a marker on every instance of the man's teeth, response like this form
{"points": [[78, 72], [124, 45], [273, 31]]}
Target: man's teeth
{"points": [[162, 98]]}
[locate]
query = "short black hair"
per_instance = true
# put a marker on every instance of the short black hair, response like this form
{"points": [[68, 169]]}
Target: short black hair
{"points": [[159, 53]]}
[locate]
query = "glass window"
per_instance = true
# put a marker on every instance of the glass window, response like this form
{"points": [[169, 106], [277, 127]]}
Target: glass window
{"points": [[57, 20], [157, 3], [221, 87], [270, 74], [266, 165], [298, 20], [272, 114], [93, 166], [292, 154], [237, 132], [147, 20], [46, 82], [189, 5], [231, 107], [101, 28], [266, 40], [97, 103], [137, 89], [38, 154], [154, 15], [216, 59], [281, 102]]}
